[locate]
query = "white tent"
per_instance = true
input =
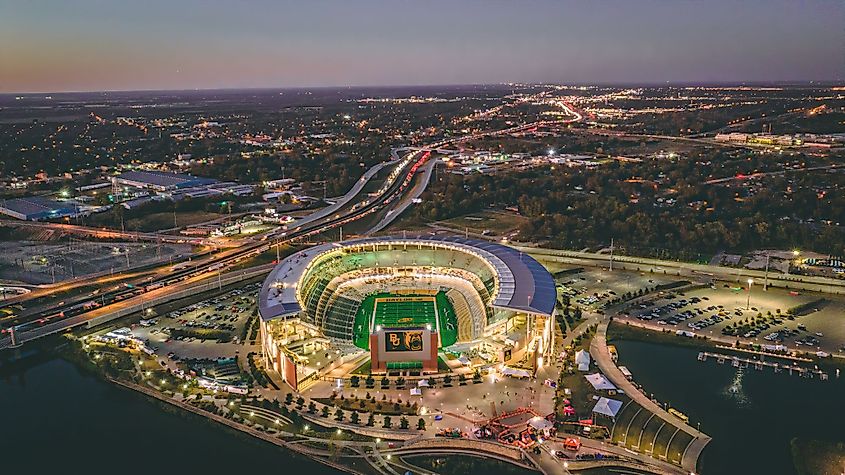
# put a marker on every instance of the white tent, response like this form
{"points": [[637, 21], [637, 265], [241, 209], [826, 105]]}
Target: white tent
{"points": [[599, 382], [517, 373], [540, 423], [423, 383], [608, 407], [416, 392], [582, 359]]}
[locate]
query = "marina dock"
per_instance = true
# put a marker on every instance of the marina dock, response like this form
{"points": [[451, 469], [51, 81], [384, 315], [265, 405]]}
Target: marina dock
{"points": [[741, 362]]}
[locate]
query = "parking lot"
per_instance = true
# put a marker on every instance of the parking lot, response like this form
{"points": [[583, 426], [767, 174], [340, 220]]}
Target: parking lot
{"points": [[764, 318], [592, 287], [211, 328]]}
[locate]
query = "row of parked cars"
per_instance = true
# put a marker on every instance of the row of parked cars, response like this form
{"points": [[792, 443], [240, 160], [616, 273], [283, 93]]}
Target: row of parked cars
{"points": [[669, 308]]}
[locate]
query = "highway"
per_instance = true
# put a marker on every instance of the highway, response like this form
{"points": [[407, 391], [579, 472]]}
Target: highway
{"points": [[127, 296], [105, 233], [184, 275]]}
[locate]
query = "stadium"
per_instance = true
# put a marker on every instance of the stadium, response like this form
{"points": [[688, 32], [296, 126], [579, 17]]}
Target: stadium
{"points": [[398, 304]]}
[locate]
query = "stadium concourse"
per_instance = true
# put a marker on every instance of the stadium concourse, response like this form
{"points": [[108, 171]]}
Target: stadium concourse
{"points": [[404, 302]]}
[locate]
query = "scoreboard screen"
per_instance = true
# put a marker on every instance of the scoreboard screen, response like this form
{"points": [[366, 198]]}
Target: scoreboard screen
{"points": [[403, 340]]}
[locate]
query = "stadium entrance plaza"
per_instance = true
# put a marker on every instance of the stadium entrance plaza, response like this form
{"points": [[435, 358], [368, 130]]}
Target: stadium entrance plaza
{"points": [[462, 406]]}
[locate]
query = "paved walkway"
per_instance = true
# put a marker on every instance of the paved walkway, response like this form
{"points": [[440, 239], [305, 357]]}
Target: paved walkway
{"points": [[599, 352]]}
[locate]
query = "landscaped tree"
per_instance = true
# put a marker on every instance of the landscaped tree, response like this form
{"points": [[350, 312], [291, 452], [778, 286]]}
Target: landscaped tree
{"points": [[371, 381], [385, 382], [288, 398], [354, 381], [387, 422], [338, 414], [476, 376], [312, 408], [355, 418], [403, 423], [421, 424], [325, 411], [400, 382], [371, 420], [431, 381], [300, 401], [447, 380], [462, 379]]}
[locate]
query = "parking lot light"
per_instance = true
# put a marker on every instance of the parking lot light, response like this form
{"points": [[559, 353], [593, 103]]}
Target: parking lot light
{"points": [[277, 421], [306, 426]]}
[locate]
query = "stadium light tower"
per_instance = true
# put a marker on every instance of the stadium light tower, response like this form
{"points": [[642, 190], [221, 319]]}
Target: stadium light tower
{"points": [[748, 300]]}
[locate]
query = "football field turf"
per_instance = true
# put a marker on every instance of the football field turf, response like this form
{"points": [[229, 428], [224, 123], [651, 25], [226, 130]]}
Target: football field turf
{"points": [[401, 311]]}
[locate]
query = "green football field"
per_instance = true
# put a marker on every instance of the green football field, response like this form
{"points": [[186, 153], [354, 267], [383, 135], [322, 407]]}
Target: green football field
{"points": [[401, 311]]}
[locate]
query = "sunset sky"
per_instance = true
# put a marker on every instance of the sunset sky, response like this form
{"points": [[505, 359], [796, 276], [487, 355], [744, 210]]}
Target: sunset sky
{"points": [[89, 45]]}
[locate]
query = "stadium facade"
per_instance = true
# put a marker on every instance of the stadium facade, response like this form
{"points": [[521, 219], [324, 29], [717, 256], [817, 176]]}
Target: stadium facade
{"points": [[403, 299]]}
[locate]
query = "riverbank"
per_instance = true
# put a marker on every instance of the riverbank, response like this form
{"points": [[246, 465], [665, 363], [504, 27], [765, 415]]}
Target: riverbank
{"points": [[752, 416], [61, 417]]}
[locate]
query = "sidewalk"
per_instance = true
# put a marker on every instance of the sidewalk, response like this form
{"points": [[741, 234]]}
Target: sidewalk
{"points": [[599, 352]]}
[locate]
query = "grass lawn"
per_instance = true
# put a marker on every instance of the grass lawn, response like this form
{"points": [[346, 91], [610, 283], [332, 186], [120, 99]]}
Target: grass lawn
{"points": [[157, 221], [496, 222]]}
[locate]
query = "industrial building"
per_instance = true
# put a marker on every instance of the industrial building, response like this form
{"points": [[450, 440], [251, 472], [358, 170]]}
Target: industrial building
{"points": [[139, 184], [35, 208], [160, 181]]}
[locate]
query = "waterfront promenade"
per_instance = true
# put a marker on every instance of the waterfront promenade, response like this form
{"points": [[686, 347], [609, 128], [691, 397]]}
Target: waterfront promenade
{"points": [[601, 355]]}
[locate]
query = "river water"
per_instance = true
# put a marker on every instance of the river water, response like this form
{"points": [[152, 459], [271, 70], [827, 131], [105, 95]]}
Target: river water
{"points": [[751, 416], [59, 419]]}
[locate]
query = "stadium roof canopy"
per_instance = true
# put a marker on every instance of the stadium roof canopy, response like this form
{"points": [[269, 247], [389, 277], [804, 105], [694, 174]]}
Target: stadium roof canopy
{"points": [[162, 180], [524, 284]]}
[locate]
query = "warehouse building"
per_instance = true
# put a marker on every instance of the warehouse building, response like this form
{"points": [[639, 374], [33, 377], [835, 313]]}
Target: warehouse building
{"points": [[35, 208], [160, 181]]}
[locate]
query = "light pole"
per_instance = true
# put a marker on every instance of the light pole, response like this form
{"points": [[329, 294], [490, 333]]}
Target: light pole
{"points": [[795, 254], [748, 300], [766, 278]]}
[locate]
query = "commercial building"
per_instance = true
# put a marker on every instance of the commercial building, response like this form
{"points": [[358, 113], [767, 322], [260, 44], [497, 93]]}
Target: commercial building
{"points": [[160, 181], [36, 208]]}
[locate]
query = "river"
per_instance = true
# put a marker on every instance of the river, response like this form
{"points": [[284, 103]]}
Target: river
{"points": [[751, 416], [58, 419]]}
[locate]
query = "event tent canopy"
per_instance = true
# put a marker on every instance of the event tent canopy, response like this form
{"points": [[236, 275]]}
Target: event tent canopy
{"points": [[515, 372], [599, 382], [540, 423], [608, 407], [582, 359]]}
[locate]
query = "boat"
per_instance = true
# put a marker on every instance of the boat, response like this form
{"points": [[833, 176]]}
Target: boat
{"points": [[680, 415]]}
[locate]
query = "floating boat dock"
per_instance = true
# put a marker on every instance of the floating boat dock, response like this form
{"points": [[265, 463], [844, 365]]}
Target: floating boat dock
{"points": [[740, 362]]}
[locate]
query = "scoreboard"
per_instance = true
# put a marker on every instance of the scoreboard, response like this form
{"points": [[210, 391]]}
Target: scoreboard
{"points": [[404, 345], [403, 340]]}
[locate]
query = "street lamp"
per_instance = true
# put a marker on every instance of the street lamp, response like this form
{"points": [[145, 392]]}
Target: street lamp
{"points": [[748, 300]]}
